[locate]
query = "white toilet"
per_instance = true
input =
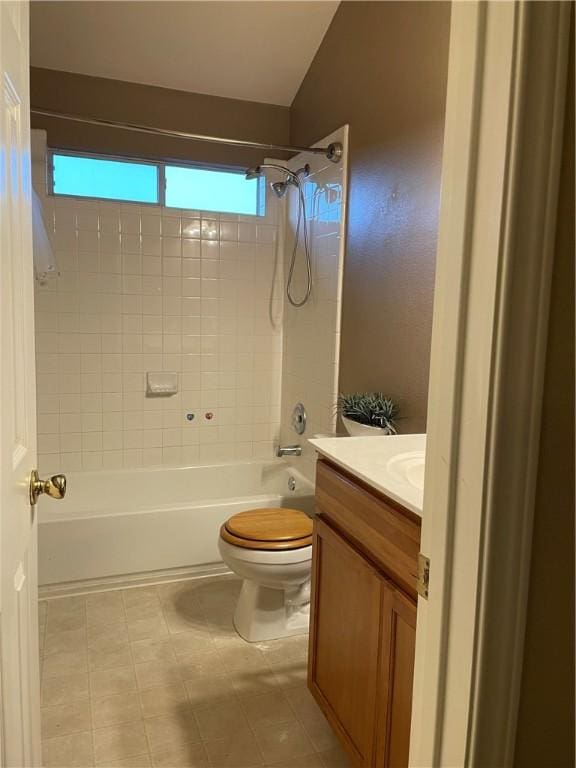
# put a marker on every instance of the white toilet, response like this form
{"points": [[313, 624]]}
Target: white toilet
{"points": [[271, 549]]}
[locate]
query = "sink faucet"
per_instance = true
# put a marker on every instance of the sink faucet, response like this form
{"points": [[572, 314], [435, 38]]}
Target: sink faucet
{"points": [[288, 450]]}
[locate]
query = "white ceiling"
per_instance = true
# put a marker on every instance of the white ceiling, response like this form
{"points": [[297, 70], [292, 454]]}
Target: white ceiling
{"points": [[258, 51]]}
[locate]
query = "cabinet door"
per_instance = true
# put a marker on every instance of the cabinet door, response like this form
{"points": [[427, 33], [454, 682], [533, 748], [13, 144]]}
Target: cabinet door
{"points": [[344, 641], [396, 675]]}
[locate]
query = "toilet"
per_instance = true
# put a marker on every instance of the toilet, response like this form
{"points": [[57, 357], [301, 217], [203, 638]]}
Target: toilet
{"points": [[271, 549]]}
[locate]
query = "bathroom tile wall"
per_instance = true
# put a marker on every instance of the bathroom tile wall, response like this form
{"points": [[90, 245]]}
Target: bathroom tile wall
{"points": [[311, 342], [157, 289]]}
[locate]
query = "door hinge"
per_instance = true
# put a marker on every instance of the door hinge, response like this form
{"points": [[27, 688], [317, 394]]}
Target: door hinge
{"points": [[423, 575]]}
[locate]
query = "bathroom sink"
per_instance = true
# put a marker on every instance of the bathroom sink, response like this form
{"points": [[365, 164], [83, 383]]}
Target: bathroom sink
{"points": [[393, 464], [408, 467]]}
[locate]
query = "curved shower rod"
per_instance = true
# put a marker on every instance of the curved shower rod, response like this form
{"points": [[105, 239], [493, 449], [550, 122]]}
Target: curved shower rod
{"points": [[332, 152]]}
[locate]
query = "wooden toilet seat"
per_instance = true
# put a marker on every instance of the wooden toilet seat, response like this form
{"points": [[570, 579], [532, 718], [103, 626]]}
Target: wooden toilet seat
{"points": [[271, 529]]}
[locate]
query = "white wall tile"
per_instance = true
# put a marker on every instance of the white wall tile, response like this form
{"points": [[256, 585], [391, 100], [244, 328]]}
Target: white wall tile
{"points": [[146, 290]]}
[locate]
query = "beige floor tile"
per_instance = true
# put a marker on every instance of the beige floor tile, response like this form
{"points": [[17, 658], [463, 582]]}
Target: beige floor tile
{"points": [[193, 644], [73, 751], [164, 700], [103, 636], [107, 682], [237, 751], [291, 673], [65, 719], [185, 620], [105, 608], [268, 709], [152, 650], [252, 682], [68, 641], [117, 709], [140, 596], [154, 673], [190, 756], [200, 666], [335, 758], [320, 733], [42, 612], [145, 610], [207, 691], [241, 658], [148, 628], [119, 741], [224, 719], [172, 684], [140, 761], [109, 658], [60, 664], [278, 651], [177, 593], [303, 703], [64, 689], [283, 742], [65, 613], [171, 731], [305, 761]]}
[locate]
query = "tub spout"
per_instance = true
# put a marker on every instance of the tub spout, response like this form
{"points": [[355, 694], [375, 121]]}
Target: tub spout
{"points": [[288, 450]]}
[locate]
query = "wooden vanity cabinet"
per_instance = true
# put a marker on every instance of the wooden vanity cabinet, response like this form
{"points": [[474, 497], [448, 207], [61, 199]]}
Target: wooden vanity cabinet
{"points": [[363, 620]]}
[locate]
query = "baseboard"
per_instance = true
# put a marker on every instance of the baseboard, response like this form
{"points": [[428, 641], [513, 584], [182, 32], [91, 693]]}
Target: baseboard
{"points": [[128, 581]]}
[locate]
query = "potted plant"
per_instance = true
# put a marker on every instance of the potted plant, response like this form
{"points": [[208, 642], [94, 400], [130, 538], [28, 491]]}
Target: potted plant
{"points": [[368, 413]]}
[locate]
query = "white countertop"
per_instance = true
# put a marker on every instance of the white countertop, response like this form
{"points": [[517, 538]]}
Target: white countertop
{"points": [[393, 464]]}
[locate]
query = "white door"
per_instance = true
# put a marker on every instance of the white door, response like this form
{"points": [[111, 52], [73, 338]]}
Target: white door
{"points": [[20, 697]]}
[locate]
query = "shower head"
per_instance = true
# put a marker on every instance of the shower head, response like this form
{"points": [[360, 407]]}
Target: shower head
{"points": [[280, 188]]}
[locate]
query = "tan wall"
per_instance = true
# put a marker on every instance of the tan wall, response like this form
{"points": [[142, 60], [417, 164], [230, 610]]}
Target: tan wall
{"points": [[382, 68], [545, 737], [150, 105]]}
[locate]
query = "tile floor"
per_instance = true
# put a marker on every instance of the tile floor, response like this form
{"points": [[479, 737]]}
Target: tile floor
{"points": [[156, 676]]}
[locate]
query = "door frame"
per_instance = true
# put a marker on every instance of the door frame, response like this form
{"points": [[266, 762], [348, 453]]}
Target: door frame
{"points": [[500, 173]]}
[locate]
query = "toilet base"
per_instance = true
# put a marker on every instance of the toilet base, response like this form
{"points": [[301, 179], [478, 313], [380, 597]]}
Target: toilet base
{"points": [[263, 613]]}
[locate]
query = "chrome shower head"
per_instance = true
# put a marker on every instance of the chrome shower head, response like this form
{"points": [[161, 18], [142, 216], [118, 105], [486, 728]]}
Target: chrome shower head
{"points": [[280, 188]]}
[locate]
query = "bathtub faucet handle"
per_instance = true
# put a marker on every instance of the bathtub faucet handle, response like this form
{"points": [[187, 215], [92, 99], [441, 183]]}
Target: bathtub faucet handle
{"points": [[55, 487]]}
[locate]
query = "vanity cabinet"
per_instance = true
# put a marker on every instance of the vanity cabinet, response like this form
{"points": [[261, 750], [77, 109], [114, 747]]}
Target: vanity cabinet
{"points": [[363, 620]]}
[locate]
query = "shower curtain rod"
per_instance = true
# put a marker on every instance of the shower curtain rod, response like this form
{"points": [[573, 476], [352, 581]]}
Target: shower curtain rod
{"points": [[332, 152]]}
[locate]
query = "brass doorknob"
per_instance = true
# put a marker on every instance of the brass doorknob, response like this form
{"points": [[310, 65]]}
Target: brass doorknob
{"points": [[54, 486]]}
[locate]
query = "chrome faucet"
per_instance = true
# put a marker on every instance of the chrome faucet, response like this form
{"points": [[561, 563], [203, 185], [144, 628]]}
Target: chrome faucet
{"points": [[288, 450]]}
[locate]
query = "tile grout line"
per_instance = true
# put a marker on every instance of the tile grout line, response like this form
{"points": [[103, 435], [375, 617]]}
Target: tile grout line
{"points": [[137, 692]]}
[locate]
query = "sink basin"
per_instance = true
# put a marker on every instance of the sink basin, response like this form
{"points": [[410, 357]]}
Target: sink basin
{"points": [[408, 467]]}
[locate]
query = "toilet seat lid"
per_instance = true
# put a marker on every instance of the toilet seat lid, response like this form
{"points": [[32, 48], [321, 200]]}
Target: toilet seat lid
{"points": [[270, 525]]}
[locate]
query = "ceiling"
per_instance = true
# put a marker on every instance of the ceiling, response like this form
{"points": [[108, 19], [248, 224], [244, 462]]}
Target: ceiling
{"points": [[256, 51]]}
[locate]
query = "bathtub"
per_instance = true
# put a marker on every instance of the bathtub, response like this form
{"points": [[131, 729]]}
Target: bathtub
{"points": [[120, 522]]}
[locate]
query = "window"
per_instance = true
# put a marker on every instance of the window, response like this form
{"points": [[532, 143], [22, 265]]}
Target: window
{"points": [[210, 190], [83, 176], [174, 186]]}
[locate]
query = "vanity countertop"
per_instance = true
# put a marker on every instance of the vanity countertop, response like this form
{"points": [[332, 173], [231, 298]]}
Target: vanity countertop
{"points": [[393, 464]]}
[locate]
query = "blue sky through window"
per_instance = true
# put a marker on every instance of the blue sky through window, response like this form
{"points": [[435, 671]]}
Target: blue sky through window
{"points": [[108, 179], [211, 190]]}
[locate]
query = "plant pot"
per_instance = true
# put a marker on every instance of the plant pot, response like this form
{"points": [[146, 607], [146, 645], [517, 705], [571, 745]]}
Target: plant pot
{"points": [[355, 429]]}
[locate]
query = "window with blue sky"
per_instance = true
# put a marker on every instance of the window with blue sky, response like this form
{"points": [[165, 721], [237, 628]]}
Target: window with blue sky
{"points": [[204, 189]]}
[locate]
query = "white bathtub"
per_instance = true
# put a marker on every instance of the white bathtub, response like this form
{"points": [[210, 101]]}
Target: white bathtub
{"points": [[137, 521]]}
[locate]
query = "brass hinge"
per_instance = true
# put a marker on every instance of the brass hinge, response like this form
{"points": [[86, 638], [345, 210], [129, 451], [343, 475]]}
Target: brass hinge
{"points": [[423, 575]]}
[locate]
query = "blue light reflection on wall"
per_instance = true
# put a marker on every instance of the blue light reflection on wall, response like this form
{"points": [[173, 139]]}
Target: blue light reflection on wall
{"points": [[107, 179], [211, 190]]}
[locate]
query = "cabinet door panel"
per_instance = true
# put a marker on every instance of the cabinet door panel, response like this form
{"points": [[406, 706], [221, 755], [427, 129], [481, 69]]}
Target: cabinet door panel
{"points": [[344, 641], [396, 675]]}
